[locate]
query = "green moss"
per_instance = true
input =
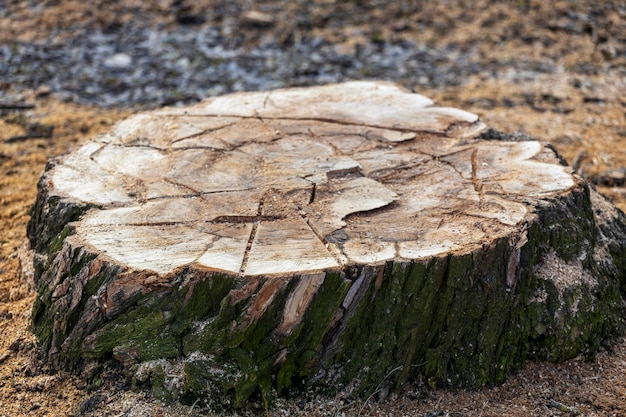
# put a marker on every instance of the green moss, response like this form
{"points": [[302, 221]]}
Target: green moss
{"points": [[42, 323], [256, 350], [157, 382], [567, 225], [394, 324], [46, 313], [144, 330], [49, 216], [57, 242], [210, 381], [203, 297]]}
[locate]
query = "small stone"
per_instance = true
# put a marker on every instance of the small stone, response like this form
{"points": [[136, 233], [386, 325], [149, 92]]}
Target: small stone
{"points": [[118, 61], [43, 91], [257, 18]]}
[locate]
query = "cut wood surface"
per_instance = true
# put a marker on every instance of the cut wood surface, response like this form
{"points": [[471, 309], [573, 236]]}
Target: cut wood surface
{"points": [[277, 240], [301, 181]]}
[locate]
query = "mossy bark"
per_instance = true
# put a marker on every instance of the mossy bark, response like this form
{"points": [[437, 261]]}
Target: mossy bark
{"points": [[456, 320]]}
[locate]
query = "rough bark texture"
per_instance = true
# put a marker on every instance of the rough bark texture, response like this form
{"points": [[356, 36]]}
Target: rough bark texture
{"points": [[350, 237]]}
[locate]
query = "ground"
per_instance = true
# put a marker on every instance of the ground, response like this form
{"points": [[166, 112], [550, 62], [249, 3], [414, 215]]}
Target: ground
{"points": [[552, 70]]}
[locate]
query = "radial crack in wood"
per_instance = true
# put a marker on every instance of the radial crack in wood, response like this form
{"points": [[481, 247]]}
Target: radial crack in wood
{"points": [[259, 243]]}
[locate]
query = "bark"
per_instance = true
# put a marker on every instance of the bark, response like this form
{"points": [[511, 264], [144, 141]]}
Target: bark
{"points": [[350, 237]]}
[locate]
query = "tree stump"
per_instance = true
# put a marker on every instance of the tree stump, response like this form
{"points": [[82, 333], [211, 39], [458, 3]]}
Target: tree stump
{"points": [[348, 237]]}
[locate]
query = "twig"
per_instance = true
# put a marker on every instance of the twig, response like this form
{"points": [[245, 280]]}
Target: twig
{"points": [[378, 388], [193, 405], [20, 138], [265, 403], [34, 131], [562, 407], [17, 107]]}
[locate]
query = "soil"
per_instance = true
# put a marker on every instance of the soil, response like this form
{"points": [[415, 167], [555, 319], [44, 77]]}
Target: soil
{"points": [[552, 70]]}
